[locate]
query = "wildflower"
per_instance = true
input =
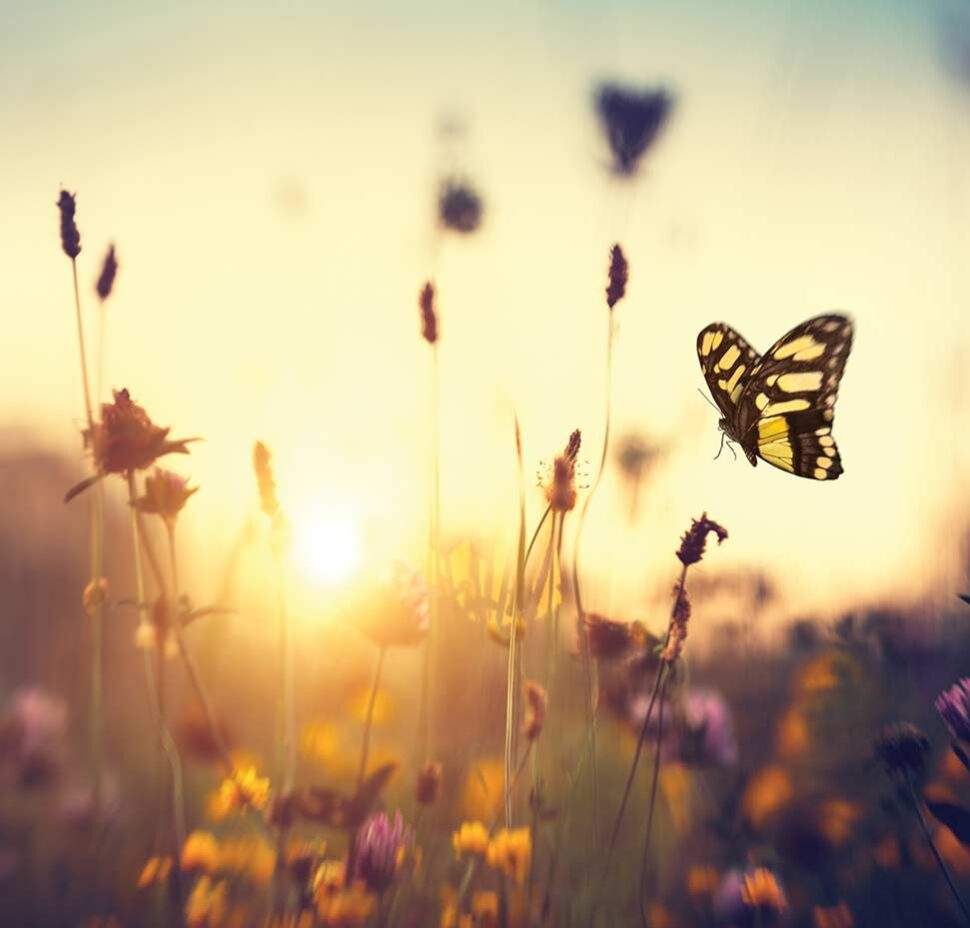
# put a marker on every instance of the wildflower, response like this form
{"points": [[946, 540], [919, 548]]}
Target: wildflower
{"points": [[483, 790], [346, 908], [328, 879], [485, 908], [836, 916], [200, 852], [459, 207], [510, 852], [694, 540], [428, 783], [262, 465], [760, 890], [631, 120], [165, 495], [560, 487], [95, 594], [379, 847], [471, 838], [32, 733], [536, 700], [702, 881], [902, 749], [106, 279], [429, 319], [244, 788], [249, 857], [398, 614], [608, 639], [70, 237], [953, 705], [768, 791], [207, 905], [156, 870], [708, 735], [619, 273]]}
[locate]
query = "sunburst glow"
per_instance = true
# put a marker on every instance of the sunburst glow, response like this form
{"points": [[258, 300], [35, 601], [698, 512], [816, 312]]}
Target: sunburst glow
{"points": [[328, 547]]}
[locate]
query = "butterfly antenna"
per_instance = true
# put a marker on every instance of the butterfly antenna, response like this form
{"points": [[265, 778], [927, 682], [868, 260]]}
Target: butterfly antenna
{"points": [[707, 399]]}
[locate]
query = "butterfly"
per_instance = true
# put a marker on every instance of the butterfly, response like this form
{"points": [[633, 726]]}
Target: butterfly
{"points": [[779, 406]]}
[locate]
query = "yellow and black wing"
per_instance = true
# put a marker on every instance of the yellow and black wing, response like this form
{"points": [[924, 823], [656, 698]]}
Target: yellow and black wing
{"points": [[787, 405], [727, 361]]}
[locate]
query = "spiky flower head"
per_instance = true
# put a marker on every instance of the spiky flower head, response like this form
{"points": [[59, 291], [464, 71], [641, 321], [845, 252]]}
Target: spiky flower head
{"points": [[694, 540], [70, 237], [631, 120], [165, 495], [619, 274], [561, 487], [429, 319], [106, 279], [902, 749], [379, 847], [953, 704], [263, 467]]}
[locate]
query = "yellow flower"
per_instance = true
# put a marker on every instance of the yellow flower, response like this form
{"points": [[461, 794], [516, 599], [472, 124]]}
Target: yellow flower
{"points": [[244, 788], [760, 890], [471, 838], [360, 701], [702, 881], [156, 870], [200, 852], [510, 852], [250, 857], [836, 916], [320, 742], [346, 908], [485, 909], [819, 675], [769, 791], [207, 905]]}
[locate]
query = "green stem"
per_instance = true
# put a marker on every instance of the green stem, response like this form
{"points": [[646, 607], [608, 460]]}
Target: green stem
{"points": [[939, 859], [511, 689], [369, 718], [653, 802]]}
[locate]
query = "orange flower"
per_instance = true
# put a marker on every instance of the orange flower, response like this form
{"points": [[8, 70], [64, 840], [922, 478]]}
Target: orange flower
{"points": [[769, 791], [243, 788], [702, 881], [760, 890], [156, 870], [200, 852], [510, 852], [471, 838]]}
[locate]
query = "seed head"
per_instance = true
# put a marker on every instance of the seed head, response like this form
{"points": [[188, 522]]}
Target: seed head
{"points": [[902, 748], [608, 639], [694, 540], [428, 783], [429, 319], [631, 120], [165, 495], [106, 279], [619, 274], [263, 466], [536, 703], [70, 237], [459, 207]]}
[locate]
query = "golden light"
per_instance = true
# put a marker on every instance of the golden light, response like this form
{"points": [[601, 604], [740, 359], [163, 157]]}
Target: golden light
{"points": [[328, 547]]}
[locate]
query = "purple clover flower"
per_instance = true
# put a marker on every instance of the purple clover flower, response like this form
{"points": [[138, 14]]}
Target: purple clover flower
{"points": [[953, 705], [379, 845], [709, 732]]}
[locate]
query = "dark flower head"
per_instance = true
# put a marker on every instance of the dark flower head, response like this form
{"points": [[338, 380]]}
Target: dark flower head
{"points": [[902, 748], [560, 485], [428, 783], [106, 279], [380, 843], [459, 207], [608, 639], [631, 120], [536, 702], [953, 705], [165, 495], [694, 540], [70, 237], [619, 274], [573, 445], [633, 455], [126, 440], [429, 319]]}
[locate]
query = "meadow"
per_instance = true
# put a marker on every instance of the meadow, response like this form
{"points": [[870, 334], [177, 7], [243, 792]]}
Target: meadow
{"points": [[467, 741]]}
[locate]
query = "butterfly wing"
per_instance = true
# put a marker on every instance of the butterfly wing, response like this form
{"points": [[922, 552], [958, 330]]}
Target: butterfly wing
{"points": [[727, 361], [787, 405]]}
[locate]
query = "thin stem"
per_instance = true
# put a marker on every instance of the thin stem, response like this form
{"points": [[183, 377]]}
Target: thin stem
{"points": [[936, 853], [80, 343], [653, 801], [511, 690], [97, 646], [285, 743], [369, 718]]}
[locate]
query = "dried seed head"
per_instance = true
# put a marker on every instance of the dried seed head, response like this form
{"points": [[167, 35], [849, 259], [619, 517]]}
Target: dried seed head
{"points": [[95, 593], [536, 703], [572, 446], [70, 237], [429, 319], [694, 540], [619, 274], [631, 120], [262, 465], [459, 207], [902, 748], [677, 633], [608, 639], [428, 783], [165, 495], [106, 279]]}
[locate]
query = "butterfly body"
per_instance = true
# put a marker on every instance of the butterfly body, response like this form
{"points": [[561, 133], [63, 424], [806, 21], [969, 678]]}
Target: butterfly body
{"points": [[780, 406]]}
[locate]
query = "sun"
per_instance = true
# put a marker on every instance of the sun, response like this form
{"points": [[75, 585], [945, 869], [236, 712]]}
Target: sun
{"points": [[328, 548]]}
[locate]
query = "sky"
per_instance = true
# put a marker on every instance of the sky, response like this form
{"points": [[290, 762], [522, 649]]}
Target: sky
{"points": [[267, 173]]}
